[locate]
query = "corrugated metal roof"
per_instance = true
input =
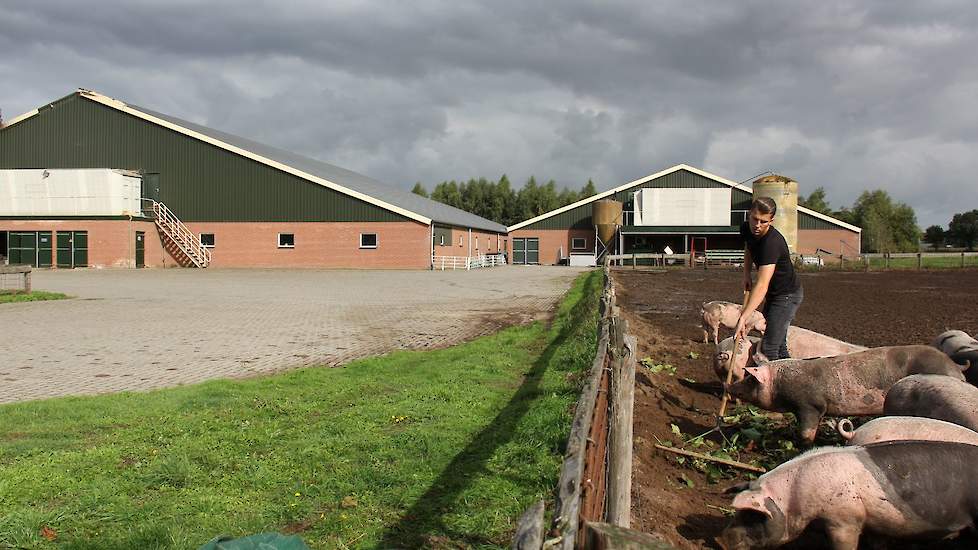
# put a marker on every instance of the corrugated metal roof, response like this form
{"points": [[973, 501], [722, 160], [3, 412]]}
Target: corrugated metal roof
{"points": [[441, 213]]}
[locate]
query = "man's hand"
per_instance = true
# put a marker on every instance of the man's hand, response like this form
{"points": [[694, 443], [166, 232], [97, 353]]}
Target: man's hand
{"points": [[741, 331]]}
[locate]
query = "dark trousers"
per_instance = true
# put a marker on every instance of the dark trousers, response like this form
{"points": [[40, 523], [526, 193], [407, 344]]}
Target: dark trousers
{"points": [[779, 311]]}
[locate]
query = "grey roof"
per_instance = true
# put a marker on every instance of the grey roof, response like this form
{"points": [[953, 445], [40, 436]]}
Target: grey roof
{"points": [[438, 212]]}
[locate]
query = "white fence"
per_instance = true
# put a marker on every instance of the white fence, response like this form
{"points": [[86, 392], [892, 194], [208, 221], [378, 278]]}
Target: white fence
{"points": [[467, 262]]}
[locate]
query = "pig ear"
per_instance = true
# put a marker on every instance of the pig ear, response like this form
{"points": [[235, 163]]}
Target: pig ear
{"points": [[751, 371], [753, 501]]}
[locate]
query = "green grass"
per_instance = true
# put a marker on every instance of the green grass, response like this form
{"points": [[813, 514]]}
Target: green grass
{"points": [[11, 296], [879, 264], [414, 449]]}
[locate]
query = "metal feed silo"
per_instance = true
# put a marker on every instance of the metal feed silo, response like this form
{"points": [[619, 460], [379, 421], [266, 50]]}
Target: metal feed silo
{"points": [[607, 216], [784, 191]]}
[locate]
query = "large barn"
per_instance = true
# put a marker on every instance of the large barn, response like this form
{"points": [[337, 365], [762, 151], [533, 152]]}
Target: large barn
{"points": [[203, 197], [682, 208]]}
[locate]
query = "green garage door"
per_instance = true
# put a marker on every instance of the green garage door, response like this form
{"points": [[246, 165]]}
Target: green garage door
{"points": [[23, 248], [45, 248], [526, 251], [72, 249]]}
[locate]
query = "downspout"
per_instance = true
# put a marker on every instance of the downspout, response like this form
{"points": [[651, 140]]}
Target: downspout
{"points": [[130, 246], [431, 246], [470, 242]]}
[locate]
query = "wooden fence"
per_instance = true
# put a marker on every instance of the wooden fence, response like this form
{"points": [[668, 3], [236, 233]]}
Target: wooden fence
{"points": [[593, 496]]}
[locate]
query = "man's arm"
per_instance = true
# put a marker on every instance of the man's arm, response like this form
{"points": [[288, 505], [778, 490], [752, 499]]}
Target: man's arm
{"points": [[757, 293]]}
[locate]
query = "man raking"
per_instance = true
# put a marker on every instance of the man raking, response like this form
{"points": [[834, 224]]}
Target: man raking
{"points": [[777, 284]]}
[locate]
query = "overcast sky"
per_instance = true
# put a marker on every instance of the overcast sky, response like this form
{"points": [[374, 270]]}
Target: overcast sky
{"points": [[846, 95]]}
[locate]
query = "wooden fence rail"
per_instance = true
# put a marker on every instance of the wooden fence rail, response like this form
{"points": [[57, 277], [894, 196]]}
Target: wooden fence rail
{"points": [[594, 491]]}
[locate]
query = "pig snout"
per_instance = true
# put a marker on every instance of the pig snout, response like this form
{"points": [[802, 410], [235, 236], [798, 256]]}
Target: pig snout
{"points": [[846, 429]]}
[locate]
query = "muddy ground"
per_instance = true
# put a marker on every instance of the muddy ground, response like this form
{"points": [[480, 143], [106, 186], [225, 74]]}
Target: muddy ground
{"points": [[685, 505]]}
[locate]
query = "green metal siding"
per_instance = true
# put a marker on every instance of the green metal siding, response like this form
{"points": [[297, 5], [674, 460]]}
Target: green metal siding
{"points": [[580, 217], [198, 181], [807, 221]]}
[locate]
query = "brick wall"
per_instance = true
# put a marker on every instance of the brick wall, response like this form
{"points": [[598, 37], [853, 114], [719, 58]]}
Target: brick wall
{"points": [[552, 241], [483, 242], [111, 243], [400, 245], [828, 239]]}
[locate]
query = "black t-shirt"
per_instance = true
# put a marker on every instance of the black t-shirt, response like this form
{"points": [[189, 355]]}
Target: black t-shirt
{"points": [[772, 249]]}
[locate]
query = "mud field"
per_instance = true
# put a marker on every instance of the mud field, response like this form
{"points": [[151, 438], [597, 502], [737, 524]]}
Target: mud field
{"points": [[682, 500]]}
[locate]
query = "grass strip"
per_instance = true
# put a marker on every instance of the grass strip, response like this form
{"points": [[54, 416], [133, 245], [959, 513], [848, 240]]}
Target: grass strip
{"points": [[8, 296], [413, 449]]}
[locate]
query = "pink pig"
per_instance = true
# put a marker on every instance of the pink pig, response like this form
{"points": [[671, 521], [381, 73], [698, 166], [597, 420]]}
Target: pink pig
{"points": [[903, 489], [898, 428], [718, 313], [802, 344]]}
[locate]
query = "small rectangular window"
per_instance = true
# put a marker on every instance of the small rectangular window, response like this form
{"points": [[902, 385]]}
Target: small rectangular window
{"points": [[441, 240], [460, 240], [207, 240], [368, 240], [578, 243], [286, 240]]}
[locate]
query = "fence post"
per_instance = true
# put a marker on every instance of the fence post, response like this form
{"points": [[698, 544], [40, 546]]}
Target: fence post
{"points": [[962, 259], [920, 260], [634, 260], [27, 281], [886, 260]]}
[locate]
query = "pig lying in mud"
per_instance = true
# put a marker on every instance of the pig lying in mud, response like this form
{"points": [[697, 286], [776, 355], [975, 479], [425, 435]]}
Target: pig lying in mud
{"points": [[854, 384], [937, 397], [802, 344], [905, 428], [718, 313], [903, 489]]}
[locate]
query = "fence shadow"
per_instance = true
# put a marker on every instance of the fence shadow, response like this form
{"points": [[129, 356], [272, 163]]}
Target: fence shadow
{"points": [[418, 526]]}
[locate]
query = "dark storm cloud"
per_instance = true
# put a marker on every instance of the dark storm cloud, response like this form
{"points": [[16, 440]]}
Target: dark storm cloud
{"points": [[847, 95]]}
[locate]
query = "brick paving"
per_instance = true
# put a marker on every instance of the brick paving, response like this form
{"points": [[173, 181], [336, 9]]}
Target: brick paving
{"points": [[154, 328]]}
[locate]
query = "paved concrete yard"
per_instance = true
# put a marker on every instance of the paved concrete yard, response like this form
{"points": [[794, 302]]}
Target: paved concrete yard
{"points": [[143, 329]]}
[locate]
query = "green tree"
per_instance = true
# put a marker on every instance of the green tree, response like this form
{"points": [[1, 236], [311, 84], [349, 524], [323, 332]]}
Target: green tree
{"points": [[816, 201], [935, 235], [587, 191], [566, 197], [887, 226], [963, 229], [419, 190]]}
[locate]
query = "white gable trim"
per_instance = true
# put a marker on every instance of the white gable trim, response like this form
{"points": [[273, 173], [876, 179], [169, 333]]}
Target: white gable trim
{"points": [[666, 172]]}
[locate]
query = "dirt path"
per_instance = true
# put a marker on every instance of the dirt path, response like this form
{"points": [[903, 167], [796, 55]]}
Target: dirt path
{"points": [[685, 505]]}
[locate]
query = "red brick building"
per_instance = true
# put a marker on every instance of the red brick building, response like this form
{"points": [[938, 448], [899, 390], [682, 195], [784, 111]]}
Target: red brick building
{"points": [[239, 203]]}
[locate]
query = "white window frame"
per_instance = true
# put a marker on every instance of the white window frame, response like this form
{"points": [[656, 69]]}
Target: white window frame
{"points": [[583, 245], [200, 237], [376, 241], [280, 245]]}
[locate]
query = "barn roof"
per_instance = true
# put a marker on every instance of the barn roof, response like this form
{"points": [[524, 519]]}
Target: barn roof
{"points": [[345, 181]]}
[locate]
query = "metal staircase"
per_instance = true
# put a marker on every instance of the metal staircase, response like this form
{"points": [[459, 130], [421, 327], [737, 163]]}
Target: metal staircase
{"points": [[182, 237]]}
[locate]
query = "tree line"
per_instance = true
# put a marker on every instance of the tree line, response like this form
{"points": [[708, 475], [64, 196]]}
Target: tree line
{"points": [[890, 226], [497, 201]]}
